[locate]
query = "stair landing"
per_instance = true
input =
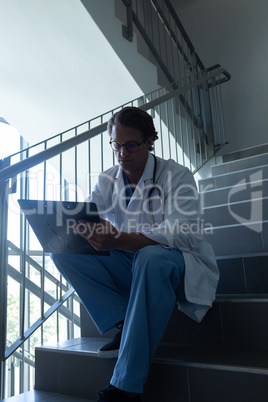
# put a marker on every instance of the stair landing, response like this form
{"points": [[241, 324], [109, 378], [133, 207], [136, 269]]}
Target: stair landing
{"points": [[38, 396]]}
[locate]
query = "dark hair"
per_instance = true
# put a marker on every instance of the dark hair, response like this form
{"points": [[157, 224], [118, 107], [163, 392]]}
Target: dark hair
{"points": [[135, 118]]}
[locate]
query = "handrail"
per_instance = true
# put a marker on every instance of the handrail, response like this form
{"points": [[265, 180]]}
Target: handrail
{"points": [[38, 323], [19, 167]]}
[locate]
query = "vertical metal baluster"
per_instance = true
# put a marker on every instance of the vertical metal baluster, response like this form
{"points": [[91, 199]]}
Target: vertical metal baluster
{"points": [[23, 283], [172, 46], [72, 311], [43, 258], [23, 265], [60, 287], [174, 127], [75, 168], [215, 113], [3, 283], [61, 178], [185, 97], [202, 129], [179, 56], [62, 197], [89, 167], [204, 120], [185, 148], [194, 129], [168, 128], [217, 89], [58, 313], [192, 115], [161, 132], [102, 166], [223, 135], [181, 131]]}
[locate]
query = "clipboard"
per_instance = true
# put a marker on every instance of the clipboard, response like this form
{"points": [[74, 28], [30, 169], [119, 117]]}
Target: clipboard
{"points": [[52, 223]]}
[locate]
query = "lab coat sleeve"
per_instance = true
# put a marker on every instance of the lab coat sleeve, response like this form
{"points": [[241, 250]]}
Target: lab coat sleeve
{"points": [[102, 193], [97, 198]]}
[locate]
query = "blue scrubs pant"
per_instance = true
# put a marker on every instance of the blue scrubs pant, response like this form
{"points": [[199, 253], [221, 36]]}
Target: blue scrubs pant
{"points": [[140, 288]]}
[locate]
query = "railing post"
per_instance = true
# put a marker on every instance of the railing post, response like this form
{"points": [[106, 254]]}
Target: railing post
{"points": [[4, 189]]}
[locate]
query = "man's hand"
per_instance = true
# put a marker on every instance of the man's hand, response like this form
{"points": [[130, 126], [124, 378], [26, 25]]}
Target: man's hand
{"points": [[102, 236]]}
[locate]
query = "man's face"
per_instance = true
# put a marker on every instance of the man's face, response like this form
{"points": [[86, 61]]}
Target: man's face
{"points": [[131, 162]]}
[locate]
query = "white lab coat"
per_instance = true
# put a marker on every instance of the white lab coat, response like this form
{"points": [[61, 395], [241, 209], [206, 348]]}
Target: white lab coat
{"points": [[175, 226]]}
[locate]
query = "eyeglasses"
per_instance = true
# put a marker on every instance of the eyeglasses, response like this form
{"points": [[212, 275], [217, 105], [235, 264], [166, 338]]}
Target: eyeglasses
{"points": [[130, 146]]}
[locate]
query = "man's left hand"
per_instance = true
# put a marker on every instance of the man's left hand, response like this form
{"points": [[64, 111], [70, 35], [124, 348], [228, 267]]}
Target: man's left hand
{"points": [[102, 236]]}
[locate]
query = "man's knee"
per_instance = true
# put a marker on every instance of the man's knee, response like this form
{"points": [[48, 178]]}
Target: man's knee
{"points": [[149, 259], [150, 254], [157, 260]]}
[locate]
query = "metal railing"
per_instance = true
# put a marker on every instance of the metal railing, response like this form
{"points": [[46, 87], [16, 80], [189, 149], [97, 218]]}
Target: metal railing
{"points": [[156, 22], [161, 29], [65, 167]]}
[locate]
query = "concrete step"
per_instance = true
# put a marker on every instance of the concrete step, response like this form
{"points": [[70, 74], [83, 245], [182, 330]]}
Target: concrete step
{"points": [[255, 174], [38, 396], [255, 210], [240, 239], [245, 153], [243, 275], [240, 164], [233, 321], [178, 372], [240, 192]]}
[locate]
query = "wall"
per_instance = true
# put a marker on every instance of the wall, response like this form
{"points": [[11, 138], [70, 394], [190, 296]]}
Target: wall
{"points": [[140, 68], [57, 69], [235, 35]]}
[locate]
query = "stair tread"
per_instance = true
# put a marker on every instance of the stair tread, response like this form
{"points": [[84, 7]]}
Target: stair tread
{"points": [[84, 345], [235, 173], [249, 360]]}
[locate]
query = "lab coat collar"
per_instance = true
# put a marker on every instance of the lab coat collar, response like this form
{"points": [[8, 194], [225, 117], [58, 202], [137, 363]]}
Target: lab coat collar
{"points": [[147, 172]]}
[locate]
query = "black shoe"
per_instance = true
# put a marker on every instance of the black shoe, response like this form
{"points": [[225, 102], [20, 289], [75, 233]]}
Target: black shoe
{"points": [[111, 393], [111, 349]]}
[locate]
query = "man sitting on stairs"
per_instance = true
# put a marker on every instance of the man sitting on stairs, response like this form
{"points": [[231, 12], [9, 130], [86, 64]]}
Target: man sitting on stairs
{"points": [[150, 218]]}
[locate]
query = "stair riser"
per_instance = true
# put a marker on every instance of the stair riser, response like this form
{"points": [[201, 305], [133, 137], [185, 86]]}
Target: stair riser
{"points": [[215, 329], [241, 164], [234, 194], [72, 374], [232, 179], [238, 240], [232, 214], [243, 275], [197, 384], [208, 385], [236, 324]]}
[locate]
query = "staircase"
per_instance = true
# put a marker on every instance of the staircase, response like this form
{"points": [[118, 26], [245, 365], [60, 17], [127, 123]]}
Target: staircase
{"points": [[224, 358]]}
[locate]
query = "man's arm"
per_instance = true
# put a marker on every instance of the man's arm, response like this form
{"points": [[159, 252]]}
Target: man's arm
{"points": [[104, 236]]}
